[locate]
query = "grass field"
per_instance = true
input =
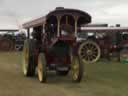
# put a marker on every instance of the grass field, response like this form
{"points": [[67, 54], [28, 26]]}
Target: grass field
{"points": [[105, 78]]}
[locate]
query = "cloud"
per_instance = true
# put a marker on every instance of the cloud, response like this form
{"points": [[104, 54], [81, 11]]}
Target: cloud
{"points": [[1, 2], [113, 15], [19, 11], [118, 10]]}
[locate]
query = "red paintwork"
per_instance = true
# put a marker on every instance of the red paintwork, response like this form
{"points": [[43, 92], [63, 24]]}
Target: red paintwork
{"points": [[51, 59]]}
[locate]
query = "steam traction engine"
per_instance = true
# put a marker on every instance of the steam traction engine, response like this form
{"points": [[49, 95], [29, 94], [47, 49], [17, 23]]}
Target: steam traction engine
{"points": [[109, 41], [53, 44]]}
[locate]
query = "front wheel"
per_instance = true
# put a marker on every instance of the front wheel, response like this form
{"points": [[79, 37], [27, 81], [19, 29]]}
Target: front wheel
{"points": [[41, 68], [76, 69], [28, 59]]}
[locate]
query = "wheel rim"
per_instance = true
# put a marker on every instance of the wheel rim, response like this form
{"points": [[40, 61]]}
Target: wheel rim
{"points": [[40, 69], [89, 52], [75, 69], [25, 59]]}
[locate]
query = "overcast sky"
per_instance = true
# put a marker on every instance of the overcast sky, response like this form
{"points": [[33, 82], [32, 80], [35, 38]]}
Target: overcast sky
{"points": [[14, 12]]}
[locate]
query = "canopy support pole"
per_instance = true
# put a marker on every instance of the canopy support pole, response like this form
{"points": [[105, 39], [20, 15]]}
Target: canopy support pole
{"points": [[28, 33], [76, 23], [58, 25]]}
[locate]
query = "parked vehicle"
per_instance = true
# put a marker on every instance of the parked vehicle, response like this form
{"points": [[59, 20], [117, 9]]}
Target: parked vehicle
{"points": [[19, 41], [6, 42], [53, 45], [109, 42]]}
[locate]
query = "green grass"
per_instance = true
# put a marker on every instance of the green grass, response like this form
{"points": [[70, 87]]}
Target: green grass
{"points": [[104, 78]]}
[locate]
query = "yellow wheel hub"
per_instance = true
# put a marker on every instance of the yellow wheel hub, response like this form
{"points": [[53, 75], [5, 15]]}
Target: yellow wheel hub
{"points": [[89, 52], [40, 69], [25, 59], [75, 69]]}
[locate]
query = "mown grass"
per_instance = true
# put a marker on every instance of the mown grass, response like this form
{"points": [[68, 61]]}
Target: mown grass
{"points": [[104, 78]]}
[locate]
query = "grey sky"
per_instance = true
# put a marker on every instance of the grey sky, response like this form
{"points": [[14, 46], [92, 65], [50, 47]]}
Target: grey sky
{"points": [[14, 12]]}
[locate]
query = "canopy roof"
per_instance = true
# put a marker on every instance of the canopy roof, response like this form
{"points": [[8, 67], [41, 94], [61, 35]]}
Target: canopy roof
{"points": [[9, 30], [60, 11], [34, 22], [104, 29]]}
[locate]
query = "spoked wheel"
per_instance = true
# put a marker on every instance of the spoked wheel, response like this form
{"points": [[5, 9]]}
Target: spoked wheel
{"points": [[41, 68], [76, 69], [28, 59], [89, 51]]}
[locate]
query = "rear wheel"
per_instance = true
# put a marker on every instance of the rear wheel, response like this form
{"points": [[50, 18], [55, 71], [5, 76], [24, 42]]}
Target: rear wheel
{"points": [[76, 69], [89, 51], [41, 68], [28, 63]]}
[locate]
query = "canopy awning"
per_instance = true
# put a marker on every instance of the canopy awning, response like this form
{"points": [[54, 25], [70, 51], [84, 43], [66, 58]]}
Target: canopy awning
{"points": [[104, 29], [84, 17], [35, 22], [9, 30]]}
